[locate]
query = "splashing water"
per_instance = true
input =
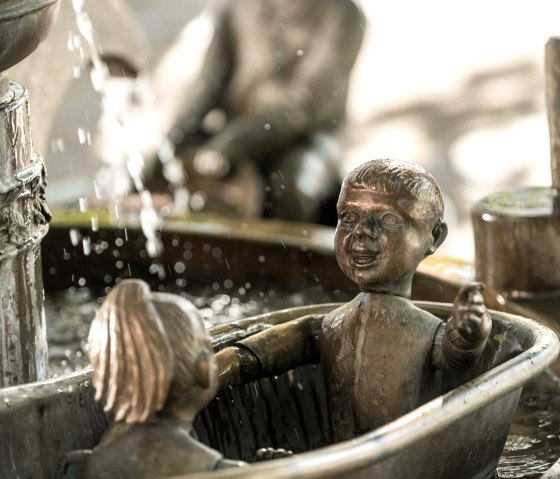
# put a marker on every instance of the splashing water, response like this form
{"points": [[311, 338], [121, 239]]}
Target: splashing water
{"points": [[123, 139]]}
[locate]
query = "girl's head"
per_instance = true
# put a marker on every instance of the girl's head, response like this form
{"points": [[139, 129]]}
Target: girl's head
{"points": [[150, 351]]}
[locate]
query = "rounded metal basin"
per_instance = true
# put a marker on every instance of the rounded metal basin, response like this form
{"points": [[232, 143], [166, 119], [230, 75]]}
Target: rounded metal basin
{"points": [[23, 25], [467, 425], [60, 415], [208, 247], [290, 411]]}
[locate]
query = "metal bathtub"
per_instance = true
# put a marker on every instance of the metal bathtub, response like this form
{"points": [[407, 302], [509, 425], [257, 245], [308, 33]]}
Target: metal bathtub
{"points": [[459, 434]]}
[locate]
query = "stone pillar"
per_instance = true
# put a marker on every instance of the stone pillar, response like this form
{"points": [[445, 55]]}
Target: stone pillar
{"points": [[24, 220]]}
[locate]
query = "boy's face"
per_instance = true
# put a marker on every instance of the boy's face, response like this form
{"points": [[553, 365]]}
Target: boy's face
{"points": [[381, 237]]}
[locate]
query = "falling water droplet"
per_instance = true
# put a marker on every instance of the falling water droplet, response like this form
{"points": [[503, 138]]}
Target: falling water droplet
{"points": [[82, 136], [74, 236], [86, 245]]}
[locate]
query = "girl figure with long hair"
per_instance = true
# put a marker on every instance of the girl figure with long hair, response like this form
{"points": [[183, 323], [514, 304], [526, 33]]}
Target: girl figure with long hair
{"points": [[154, 369]]}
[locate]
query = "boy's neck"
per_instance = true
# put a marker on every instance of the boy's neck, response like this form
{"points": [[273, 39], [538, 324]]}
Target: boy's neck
{"points": [[401, 288]]}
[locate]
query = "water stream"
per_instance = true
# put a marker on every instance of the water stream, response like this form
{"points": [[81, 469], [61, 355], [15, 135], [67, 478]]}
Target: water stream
{"points": [[122, 161]]}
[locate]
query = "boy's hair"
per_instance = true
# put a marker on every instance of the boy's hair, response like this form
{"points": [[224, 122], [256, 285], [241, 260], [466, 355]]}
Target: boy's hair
{"points": [[143, 347], [394, 176]]}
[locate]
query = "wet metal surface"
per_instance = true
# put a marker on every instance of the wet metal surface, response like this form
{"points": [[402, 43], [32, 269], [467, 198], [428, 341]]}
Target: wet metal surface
{"points": [[23, 222], [533, 443], [23, 25], [198, 246], [70, 312]]}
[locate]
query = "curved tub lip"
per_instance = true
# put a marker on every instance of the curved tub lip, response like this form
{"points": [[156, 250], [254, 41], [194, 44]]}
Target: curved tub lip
{"points": [[317, 237], [427, 419], [33, 20], [380, 443]]}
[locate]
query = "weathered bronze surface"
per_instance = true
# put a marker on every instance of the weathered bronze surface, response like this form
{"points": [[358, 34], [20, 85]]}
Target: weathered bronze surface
{"points": [[23, 25], [297, 398], [517, 232], [48, 72], [279, 72], [381, 355], [63, 415], [24, 214], [154, 369], [552, 77]]}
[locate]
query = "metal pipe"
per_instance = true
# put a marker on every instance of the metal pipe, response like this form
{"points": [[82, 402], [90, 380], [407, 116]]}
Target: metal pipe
{"points": [[24, 214], [524, 223], [23, 223], [552, 79]]}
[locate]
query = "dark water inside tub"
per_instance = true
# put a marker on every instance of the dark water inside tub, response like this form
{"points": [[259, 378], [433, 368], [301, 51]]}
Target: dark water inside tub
{"points": [[533, 444], [69, 313]]}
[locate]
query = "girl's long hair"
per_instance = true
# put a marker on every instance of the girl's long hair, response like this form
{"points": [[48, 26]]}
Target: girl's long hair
{"points": [[130, 353]]}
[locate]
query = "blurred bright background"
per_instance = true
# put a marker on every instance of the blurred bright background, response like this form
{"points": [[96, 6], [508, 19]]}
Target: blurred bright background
{"points": [[457, 87]]}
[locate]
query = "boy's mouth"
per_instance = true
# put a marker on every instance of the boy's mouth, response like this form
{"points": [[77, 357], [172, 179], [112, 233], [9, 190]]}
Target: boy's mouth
{"points": [[362, 257]]}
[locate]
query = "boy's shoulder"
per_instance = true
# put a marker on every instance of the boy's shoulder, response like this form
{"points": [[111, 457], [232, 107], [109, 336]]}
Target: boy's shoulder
{"points": [[383, 306]]}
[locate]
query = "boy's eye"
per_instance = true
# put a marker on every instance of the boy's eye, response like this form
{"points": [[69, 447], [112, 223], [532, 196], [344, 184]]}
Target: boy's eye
{"points": [[390, 219], [348, 217]]}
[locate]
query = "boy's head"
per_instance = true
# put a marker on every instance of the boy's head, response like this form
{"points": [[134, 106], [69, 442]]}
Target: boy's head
{"points": [[398, 177], [390, 217]]}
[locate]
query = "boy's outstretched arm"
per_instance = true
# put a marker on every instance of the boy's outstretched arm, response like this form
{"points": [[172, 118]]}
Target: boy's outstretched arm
{"points": [[274, 351], [460, 342]]}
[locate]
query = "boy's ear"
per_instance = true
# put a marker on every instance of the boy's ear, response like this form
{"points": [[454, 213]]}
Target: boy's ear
{"points": [[202, 369], [439, 233]]}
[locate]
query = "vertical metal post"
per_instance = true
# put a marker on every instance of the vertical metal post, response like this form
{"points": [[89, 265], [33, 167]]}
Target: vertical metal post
{"points": [[552, 80], [517, 231], [23, 223]]}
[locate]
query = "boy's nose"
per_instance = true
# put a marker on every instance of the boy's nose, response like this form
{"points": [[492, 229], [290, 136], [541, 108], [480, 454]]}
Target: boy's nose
{"points": [[367, 227]]}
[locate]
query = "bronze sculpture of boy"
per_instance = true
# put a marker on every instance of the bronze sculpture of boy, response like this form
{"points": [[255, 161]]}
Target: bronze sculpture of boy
{"points": [[380, 353]]}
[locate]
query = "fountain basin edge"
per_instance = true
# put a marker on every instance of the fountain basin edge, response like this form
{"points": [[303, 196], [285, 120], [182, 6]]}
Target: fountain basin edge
{"points": [[40, 422], [294, 254]]}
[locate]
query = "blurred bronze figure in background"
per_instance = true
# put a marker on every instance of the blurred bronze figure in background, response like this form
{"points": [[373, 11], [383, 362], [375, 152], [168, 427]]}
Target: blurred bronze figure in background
{"points": [[266, 112]]}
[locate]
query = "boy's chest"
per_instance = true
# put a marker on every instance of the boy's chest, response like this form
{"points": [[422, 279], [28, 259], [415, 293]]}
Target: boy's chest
{"points": [[376, 335], [377, 364]]}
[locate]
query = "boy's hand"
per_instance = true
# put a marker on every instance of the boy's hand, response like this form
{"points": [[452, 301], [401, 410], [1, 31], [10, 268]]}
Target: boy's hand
{"points": [[470, 317], [268, 453]]}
